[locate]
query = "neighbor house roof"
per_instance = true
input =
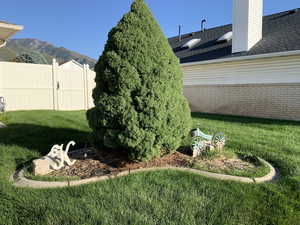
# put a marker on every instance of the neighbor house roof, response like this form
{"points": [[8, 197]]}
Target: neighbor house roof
{"points": [[8, 29], [281, 33], [71, 61]]}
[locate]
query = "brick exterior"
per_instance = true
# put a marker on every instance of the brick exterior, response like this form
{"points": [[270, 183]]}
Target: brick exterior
{"points": [[276, 101]]}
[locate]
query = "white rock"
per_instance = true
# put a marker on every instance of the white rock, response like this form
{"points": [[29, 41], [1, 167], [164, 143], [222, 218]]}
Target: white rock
{"points": [[42, 166]]}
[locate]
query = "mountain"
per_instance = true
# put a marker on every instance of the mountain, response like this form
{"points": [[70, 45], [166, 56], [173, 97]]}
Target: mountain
{"points": [[41, 52]]}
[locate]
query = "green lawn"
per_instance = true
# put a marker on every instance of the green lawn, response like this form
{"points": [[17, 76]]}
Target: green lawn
{"points": [[164, 197]]}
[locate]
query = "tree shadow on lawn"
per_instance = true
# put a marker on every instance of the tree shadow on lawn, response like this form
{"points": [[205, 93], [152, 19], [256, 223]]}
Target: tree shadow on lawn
{"points": [[41, 138], [243, 119]]}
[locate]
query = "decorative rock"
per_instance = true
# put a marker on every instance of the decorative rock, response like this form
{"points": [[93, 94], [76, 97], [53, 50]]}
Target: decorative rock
{"points": [[42, 166], [56, 159]]}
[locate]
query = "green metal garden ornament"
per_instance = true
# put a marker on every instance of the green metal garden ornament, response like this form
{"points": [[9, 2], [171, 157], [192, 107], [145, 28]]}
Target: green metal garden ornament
{"points": [[202, 141]]}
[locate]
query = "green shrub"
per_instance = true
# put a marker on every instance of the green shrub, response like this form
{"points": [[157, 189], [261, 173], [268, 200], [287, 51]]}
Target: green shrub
{"points": [[139, 101], [23, 58]]}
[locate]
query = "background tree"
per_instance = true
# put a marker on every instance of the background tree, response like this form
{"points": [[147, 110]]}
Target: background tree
{"points": [[139, 101], [23, 58]]}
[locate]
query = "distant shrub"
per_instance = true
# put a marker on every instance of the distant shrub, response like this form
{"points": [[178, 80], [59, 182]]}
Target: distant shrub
{"points": [[139, 101], [23, 58]]}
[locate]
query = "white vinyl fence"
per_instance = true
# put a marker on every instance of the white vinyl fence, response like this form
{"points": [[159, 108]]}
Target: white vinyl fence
{"points": [[34, 86]]}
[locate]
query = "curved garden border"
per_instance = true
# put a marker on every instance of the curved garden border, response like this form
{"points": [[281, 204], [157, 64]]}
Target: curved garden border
{"points": [[19, 180]]}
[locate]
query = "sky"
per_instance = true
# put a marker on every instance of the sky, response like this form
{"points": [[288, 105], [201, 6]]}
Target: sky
{"points": [[83, 25]]}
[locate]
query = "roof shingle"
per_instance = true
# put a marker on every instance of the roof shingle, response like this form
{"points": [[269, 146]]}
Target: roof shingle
{"points": [[281, 32]]}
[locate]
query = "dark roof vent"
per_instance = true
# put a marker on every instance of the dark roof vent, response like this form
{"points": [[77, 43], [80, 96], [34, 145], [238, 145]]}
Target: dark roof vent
{"points": [[179, 33], [202, 25]]}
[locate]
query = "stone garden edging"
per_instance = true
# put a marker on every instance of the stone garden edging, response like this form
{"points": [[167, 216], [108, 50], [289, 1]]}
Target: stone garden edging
{"points": [[19, 180]]}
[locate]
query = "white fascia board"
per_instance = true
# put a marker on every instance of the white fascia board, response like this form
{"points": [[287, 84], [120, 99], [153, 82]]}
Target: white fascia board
{"points": [[77, 63], [7, 30], [241, 58], [11, 26]]}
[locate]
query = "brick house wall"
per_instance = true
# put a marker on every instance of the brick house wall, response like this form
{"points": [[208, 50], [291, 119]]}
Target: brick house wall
{"points": [[266, 88]]}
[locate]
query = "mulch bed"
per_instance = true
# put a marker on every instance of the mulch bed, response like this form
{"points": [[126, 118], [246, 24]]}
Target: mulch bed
{"points": [[92, 163], [223, 163]]}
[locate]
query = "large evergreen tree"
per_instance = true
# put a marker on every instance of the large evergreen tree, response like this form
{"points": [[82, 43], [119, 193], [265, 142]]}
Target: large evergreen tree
{"points": [[139, 102]]}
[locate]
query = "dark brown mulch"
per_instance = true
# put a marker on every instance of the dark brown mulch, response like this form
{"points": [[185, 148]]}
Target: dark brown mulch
{"points": [[107, 162], [92, 163]]}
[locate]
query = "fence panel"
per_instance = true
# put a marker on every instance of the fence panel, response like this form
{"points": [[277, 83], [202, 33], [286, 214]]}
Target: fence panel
{"points": [[33, 86], [26, 86], [70, 88]]}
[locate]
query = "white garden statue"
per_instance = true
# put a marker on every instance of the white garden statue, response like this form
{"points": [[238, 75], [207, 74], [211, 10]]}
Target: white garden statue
{"points": [[60, 156], [56, 159]]}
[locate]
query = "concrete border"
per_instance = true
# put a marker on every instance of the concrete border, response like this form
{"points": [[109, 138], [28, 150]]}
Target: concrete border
{"points": [[19, 180]]}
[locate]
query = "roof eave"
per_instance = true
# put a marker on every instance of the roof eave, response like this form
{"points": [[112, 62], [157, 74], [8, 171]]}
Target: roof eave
{"points": [[241, 58], [7, 30], [11, 26]]}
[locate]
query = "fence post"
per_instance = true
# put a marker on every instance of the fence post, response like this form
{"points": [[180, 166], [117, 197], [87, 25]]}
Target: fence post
{"points": [[84, 86], [87, 69], [54, 84]]}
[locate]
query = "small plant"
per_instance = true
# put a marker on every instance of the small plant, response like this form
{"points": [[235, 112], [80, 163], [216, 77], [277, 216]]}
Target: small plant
{"points": [[210, 154], [249, 158]]}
